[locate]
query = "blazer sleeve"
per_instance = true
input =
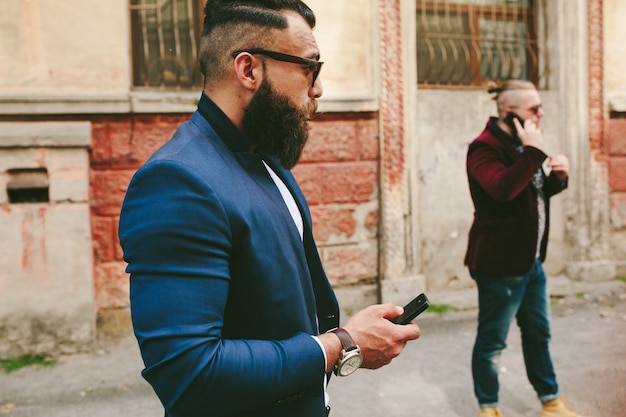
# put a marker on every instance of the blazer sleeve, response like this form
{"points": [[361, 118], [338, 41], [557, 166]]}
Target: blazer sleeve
{"points": [[177, 241], [503, 175], [553, 185]]}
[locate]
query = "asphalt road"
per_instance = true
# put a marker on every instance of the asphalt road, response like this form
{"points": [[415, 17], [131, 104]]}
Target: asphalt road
{"points": [[431, 378]]}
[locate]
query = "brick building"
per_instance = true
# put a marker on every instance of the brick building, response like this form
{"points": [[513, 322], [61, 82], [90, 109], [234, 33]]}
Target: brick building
{"points": [[82, 106]]}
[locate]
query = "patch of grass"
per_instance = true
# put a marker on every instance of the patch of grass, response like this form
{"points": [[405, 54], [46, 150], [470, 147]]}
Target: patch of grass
{"points": [[621, 278], [441, 308], [13, 364], [580, 295], [556, 300]]}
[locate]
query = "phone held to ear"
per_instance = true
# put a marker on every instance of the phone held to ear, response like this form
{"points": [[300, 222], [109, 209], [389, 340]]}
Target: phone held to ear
{"points": [[412, 309], [509, 121]]}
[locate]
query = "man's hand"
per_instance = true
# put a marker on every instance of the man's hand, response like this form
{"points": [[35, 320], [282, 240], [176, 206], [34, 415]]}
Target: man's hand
{"points": [[560, 165], [379, 339], [529, 134]]}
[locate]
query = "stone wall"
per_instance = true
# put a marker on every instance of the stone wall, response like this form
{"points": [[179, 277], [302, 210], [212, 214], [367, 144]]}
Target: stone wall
{"points": [[616, 150]]}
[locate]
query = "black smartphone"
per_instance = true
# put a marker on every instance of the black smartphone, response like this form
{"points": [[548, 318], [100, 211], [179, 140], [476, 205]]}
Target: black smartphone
{"points": [[509, 121], [412, 310]]}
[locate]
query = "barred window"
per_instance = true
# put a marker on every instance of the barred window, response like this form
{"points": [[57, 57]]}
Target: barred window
{"points": [[165, 35], [468, 42]]}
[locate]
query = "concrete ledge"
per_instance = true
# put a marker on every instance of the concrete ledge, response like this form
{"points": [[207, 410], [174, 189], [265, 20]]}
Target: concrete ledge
{"points": [[150, 101], [45, 134], [402, 290], [591, 270], [617, 102], [465, 299], [353, 299], [559, 287], [164, 101], [114, 324], [64, 104], [52, 332]]}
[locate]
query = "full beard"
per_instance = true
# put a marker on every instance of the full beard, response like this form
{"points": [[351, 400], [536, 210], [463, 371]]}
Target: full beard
{"points": [[276, 126]]}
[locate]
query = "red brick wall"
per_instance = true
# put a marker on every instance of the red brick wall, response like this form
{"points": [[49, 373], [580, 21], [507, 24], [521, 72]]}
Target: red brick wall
{"points": [[607, 131], [119, 145], [595, 52], [616, 149], [338, 174]]}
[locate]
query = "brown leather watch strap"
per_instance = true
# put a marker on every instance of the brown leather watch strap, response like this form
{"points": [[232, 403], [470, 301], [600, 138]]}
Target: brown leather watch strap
{"points": [[344, 337]]}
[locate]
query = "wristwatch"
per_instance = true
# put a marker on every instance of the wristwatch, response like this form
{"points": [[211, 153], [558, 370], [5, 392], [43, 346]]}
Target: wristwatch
{"points": [[350, 358]]}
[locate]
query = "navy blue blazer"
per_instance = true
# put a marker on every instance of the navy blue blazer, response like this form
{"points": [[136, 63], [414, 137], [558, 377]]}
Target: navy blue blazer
{"points": [[224, 294]]}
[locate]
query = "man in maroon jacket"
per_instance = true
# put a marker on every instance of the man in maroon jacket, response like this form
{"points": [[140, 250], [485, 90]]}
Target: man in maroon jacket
{"points": [[511, 180]]}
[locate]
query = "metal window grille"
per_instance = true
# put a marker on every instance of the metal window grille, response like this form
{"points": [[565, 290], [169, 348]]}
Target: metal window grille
{"points": [[165, 35], [467, 42]]}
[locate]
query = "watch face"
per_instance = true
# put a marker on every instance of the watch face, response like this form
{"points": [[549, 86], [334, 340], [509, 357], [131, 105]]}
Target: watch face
{"points": [[350, 364]]}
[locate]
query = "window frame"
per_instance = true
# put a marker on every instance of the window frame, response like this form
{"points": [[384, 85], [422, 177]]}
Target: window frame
{"points": [[474, 12], [140, 59]]}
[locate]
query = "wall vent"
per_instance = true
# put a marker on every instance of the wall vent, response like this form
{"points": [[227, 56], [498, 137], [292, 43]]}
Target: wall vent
{"points": [[28, 185]]}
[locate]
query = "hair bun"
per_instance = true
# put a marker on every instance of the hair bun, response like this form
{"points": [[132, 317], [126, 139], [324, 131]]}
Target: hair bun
{"points": [[493, 87]]}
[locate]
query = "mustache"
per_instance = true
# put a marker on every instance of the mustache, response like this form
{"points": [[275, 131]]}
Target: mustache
{"points": [[310, 110]]}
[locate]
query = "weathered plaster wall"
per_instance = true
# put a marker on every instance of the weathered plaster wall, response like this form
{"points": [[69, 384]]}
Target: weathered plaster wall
{"points": [[82, 47], [447, 121], [46, 288], [345, 34], [614, 55], [614, 47], [74, 46]]}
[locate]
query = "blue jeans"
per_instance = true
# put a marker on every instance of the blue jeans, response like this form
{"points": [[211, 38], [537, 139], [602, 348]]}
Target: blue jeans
{"points": [[500, 298]]}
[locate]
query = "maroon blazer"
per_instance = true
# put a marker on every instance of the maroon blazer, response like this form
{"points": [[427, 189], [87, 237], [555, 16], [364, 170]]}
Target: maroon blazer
{"points": [[503, 236]]}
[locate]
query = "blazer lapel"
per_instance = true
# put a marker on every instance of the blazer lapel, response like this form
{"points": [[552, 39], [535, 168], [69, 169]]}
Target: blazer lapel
{"points": [[213, 121], [326, 302]]}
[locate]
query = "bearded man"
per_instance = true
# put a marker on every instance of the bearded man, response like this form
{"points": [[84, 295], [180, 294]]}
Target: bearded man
{"points": [[230, 304]]}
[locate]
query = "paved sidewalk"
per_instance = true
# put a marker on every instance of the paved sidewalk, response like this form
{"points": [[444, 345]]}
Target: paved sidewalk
{"points": [[431, 378]]}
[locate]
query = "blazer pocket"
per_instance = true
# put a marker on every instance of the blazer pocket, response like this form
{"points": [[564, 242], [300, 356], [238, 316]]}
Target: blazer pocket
{"points": [[290, 398]]}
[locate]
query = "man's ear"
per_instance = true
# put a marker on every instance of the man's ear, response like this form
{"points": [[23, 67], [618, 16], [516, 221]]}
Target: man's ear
{"points": [[248, 70]]}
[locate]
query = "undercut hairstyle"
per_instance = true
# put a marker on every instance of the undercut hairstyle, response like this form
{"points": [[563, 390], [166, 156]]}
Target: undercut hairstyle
{"points": [[234, 25], [499, 91]]}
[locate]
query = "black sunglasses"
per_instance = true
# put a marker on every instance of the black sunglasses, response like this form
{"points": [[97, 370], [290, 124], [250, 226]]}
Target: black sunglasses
{"points": [[533, 109], [315, 66]]}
